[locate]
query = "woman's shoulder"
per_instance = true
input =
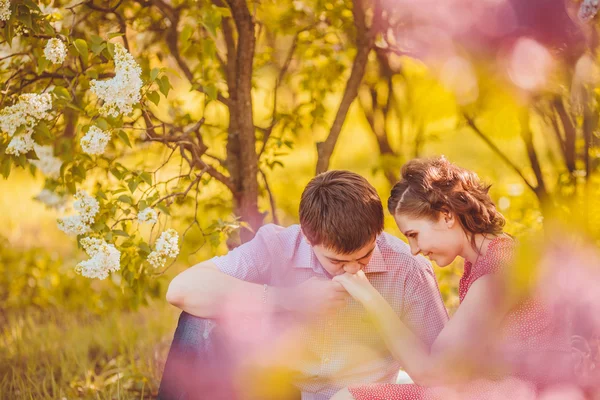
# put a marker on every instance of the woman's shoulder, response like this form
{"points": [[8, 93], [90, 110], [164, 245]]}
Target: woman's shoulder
{"points": [[499, 253]]}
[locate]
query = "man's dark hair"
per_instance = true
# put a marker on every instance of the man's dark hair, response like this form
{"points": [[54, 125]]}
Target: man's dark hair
{"points": [[341, 211]]}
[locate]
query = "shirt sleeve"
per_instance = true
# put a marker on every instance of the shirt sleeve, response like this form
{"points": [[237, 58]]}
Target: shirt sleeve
{"points": [[423, 311], [252, 260]]}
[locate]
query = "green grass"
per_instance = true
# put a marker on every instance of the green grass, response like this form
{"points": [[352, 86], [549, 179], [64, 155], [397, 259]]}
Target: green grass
{"points": [[52, 355]]}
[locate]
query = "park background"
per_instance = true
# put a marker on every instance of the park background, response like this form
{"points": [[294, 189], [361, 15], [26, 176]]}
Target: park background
{"points": [[512, 95]]}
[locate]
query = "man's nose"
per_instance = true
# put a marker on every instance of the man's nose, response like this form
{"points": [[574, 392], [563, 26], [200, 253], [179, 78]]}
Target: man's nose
{"points": [[352, 268]]}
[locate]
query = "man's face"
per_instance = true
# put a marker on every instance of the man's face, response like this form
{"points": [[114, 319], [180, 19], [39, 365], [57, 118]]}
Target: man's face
{"points": [[337, 263]]}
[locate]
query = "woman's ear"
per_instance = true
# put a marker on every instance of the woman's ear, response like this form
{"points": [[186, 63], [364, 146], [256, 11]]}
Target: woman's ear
{"points": [[448, 218]]}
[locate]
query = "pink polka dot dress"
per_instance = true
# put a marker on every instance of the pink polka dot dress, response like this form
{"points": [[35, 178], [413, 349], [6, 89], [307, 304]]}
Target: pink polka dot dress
{"points": [[528, 329]]}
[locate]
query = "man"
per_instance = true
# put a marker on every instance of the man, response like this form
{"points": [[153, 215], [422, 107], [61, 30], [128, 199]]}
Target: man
{"points": [[276, 290]]}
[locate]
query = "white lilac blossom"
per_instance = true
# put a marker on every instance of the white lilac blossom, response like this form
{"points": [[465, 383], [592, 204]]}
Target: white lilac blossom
{"points": [[47, 163], [166, 246], [88, 207], [20, 144], [73, 225], [23, 117], [148, 215], [4, 10], [94, 141], [122, 92], [50, 199], [104, 258], [55, 51]]}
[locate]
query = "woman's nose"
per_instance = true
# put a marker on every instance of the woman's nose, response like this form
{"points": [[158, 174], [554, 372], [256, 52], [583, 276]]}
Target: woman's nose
{"points": [[414, 249]]}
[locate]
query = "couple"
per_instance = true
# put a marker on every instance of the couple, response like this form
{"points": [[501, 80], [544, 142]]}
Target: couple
{"points": [[343, 305]]}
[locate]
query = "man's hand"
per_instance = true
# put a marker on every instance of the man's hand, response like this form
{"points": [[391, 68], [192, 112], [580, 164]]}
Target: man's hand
{"points": [[316, 296]]}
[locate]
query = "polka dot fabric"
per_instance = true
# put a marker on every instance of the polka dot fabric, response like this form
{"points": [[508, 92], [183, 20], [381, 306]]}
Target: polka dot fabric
{"points": [[526, 330]]}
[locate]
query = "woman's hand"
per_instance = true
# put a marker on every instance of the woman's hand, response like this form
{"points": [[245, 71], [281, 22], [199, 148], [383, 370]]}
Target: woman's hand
{"points": [[358, 286]]}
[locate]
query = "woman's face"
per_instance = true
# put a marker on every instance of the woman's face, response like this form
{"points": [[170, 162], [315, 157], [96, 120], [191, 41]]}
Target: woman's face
{"points": [[440, 241]]}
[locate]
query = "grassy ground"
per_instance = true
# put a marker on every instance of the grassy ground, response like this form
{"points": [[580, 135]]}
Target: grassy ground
{"points": [[52, 355]]}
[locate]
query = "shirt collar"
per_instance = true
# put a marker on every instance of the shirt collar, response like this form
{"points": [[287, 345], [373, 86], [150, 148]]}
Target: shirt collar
{"points": [[376, 264]]}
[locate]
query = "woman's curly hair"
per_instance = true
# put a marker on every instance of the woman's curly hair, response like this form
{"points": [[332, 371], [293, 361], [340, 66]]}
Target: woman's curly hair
{"points": [[429, 187]]}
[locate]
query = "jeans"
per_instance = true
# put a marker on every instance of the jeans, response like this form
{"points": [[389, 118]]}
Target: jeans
{"points": [[202, 365]]}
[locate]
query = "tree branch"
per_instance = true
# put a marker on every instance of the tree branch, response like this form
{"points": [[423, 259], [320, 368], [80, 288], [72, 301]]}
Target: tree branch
{"points": [[496, 150], [364, 43]]}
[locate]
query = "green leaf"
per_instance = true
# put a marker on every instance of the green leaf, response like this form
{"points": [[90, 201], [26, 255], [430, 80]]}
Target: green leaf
{"points": [[82, 48], [147, 178], [119, 232], [124, 137], [145, 248], [41, 131], [31, 5], [42, 63], [5, 167], [153, 96], [154, 73], [132, 184], [70, 185], [115, 34], [186, 33], [164, 85], [101, 194], [102, 124], [62, 92], [25, 19], [117, 174], [125, 199], [211, 20], [9, 33], [163, 208], [210, 91], [110, 48], [97, 48], [31, 155]]}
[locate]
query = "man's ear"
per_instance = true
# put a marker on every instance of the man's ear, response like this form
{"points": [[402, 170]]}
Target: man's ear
{"points": [[305, 238]]}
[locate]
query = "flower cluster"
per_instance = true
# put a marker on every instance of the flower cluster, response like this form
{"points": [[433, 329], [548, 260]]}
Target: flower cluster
{"points": [[104, 258], [95, 141], [55, 51], [24, 115], [4, 10], [122, 92], [88, 207], [50, 199], [47, 163], [148, 215], [166, 246]]}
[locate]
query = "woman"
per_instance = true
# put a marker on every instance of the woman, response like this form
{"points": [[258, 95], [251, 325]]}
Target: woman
{"points": [[445, 212]]}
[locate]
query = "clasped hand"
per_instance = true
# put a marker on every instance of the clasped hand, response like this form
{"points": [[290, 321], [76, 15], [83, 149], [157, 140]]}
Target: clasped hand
{"points": [[358, 286]]}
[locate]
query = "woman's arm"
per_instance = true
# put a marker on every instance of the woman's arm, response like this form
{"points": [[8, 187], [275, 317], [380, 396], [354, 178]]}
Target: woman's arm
{"points": [[459, 345]]}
